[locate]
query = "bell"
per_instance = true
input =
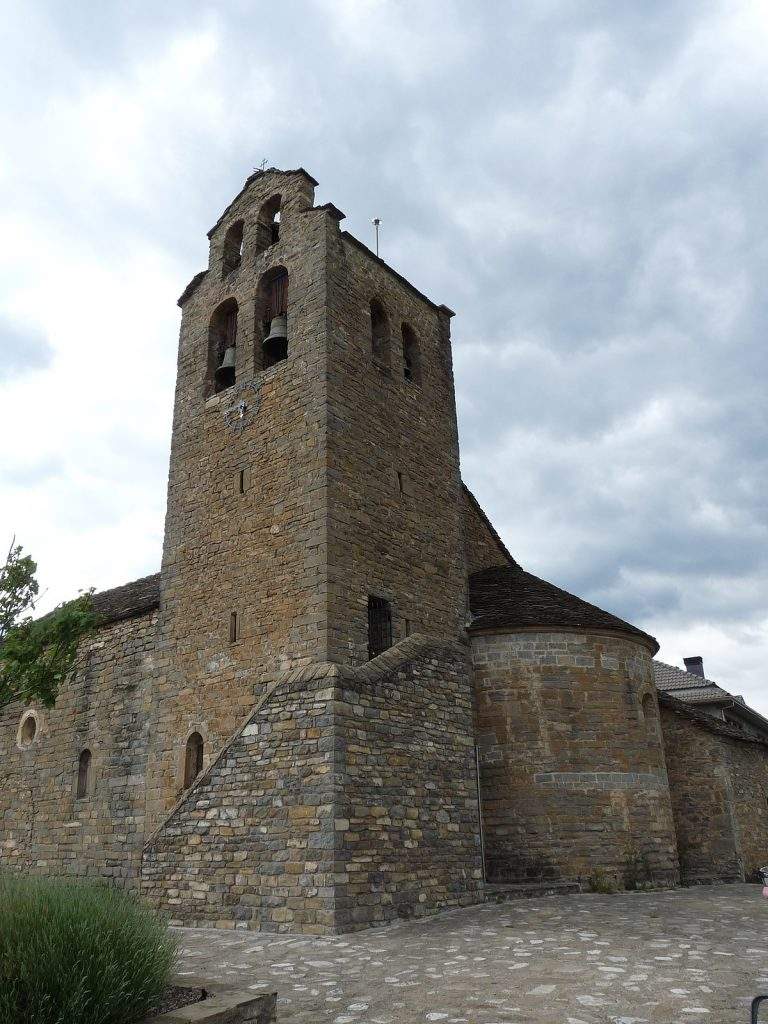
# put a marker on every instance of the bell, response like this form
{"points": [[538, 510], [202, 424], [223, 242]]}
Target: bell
{"points": [[225, 373], [276, 342]]}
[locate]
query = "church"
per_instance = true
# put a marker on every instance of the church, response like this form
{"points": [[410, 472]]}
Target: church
{"points": [[341, 700]]}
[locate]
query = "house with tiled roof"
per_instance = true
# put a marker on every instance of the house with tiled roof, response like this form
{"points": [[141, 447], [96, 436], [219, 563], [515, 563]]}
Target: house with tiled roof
{"points": [[691, 686]]}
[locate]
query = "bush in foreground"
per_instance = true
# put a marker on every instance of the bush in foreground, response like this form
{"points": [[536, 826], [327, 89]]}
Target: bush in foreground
{"points": [[75, 953]]}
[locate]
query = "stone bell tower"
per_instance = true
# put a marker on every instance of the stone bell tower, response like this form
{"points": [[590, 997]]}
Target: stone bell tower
{"points": [[313, 516], [244, 554]]}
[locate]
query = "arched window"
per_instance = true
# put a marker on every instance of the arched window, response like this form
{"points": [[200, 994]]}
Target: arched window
{"points": [[272, 317], [222, 348], [193, 760], [379, 334], [648, 707], [83, 772], [268, 224], [233, 248], [411, 356]]}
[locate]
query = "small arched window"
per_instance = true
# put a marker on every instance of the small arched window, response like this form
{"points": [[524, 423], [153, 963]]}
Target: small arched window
{"points": [[411, 356], [193, 759], [222, 348], [233, 248], [83, 773], [272, 316], [268, 224], [648, 708], [379, 334]]}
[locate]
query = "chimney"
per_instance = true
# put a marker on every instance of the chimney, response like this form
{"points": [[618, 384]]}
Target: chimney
{"points": [[695, 666]]}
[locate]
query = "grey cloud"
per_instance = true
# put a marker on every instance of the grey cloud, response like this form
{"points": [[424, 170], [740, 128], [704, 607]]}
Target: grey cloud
{"points": [[584, 184], [21, 350]]}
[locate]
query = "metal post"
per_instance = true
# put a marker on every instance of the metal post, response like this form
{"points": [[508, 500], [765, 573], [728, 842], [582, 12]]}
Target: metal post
{"points": [[480, 810], [376, 222]]}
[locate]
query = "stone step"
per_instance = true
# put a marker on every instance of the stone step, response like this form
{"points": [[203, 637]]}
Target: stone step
{"points": [[502, 892]]}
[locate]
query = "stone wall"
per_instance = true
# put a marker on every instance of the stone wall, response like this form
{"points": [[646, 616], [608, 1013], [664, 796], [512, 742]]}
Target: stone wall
{"points": [[251, 845], [407, 812], [482, 545], [719, 786], [346, 799], [102, 707], [573, 773]]}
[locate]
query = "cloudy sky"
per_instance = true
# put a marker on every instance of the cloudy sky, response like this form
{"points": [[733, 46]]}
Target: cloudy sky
{"points": [[583, 182]]}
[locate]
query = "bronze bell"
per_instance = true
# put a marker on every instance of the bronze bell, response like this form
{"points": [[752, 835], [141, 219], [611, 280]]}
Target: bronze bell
{"points": [[225, 372], [276, 342]]}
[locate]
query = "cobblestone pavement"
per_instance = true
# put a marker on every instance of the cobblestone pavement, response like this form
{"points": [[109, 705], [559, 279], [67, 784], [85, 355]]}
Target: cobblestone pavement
{"points": [[688, 955]]}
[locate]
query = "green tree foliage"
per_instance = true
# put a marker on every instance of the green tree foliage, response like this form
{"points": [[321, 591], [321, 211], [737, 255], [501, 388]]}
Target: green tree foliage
{"points": [[36, 654]]}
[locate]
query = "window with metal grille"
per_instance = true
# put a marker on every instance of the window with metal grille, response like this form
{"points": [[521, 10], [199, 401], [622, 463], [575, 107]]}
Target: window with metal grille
{"points": [[193, 760], [379, 626], [83, 771]]}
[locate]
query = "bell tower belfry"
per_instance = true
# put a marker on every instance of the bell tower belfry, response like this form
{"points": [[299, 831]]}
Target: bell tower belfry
{"points": [[313, 528], [244, 554]]}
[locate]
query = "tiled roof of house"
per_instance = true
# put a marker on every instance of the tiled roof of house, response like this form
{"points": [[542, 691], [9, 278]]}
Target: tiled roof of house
{"points": [[508, 596], [131, 599], [709, 722], [670, 677], [694, 689]]}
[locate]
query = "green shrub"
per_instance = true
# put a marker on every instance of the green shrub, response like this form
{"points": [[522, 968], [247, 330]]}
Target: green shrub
{"points": [[76, 953], [601, 881]]}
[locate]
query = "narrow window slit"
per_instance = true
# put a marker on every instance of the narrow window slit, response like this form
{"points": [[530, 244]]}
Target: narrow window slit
{"points": [[83, 771], [193, 759], [233, 627]]}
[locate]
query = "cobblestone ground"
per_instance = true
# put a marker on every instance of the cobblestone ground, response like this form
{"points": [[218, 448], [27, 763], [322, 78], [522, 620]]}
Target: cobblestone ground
{"points": [[688, 955]]}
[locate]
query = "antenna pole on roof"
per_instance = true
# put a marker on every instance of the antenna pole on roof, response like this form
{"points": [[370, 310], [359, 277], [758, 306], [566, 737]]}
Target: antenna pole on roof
{"points": [[376, 222]]}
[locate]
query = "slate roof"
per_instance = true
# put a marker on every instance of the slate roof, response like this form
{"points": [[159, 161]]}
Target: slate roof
{"points": [[131, 599], [509, 596]]}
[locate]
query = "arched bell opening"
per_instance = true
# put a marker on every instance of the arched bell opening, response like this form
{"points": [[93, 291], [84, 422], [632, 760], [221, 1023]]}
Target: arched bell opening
{"points": [[268, 224], [222, 348], [272, 318], [233, 248]]}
